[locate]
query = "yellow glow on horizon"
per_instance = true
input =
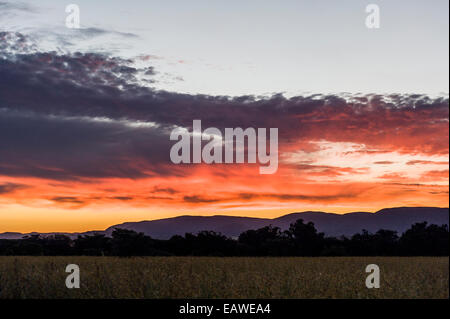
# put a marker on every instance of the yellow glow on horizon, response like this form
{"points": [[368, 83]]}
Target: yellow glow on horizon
{"points": [[17, 218]]}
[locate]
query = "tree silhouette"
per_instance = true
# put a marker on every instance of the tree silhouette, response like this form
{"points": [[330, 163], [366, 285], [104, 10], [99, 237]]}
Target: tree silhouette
{"points": [[130, 243], [301, 239], [268, 241], [306, 239], [423, 240], [94, 245]]}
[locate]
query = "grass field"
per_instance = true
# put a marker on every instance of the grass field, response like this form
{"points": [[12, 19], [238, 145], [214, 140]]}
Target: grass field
{"points": [[209, 277]]}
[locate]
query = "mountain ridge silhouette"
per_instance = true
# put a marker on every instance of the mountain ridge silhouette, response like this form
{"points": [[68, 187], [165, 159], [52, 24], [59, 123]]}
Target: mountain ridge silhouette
{"points": [[397, 218]]}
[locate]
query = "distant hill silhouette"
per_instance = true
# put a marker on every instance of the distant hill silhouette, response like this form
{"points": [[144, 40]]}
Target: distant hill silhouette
{"points": [[398, 219]]}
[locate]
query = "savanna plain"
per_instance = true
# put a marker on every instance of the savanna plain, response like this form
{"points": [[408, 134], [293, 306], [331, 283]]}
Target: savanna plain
{"points": [[224, 277]]}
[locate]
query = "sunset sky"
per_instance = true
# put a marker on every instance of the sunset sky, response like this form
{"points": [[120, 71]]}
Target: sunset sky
{"points": [[86, 114]]}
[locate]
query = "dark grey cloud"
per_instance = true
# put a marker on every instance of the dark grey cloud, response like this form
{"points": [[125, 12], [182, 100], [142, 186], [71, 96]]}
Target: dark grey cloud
{"points": [[69, 38], [67, 200], [198, 199], [64, 148], [166, 190], [11, 42], [88, 115], [94, 32], [416, 162], [123, 198], [11, 187]]}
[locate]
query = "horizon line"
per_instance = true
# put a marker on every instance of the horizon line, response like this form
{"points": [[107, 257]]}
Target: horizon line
{"points": [[202, 216]]}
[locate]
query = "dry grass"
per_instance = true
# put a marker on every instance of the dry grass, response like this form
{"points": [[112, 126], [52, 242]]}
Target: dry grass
{"points": [[198, 277]]}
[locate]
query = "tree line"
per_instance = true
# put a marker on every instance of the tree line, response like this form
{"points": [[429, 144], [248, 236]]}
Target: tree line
{"points": [[301, 239]]}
